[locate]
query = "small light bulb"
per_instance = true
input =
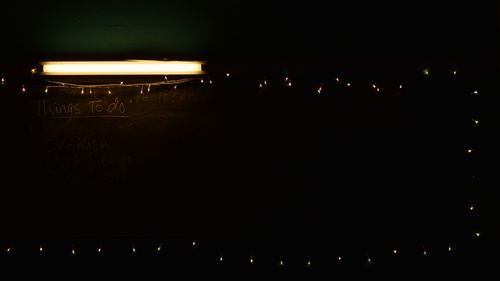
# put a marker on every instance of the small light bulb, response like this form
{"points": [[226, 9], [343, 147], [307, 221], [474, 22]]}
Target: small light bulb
{"points": [[46, 89], [337, 79], [308, 263], [109, 92], [476, 122], [378, 90], [374, 86], [227, 74], [401, 86], [194, 243], [395, 252], [265, 82], [348, 84], [339, 258], [260, 85], [133, 249], [175, 87], [320, 89], [210, 82], [90, 91], [425, 253], [454, 72], [3, 81], [8, 250], [202, 81], [82, 91], [282, 263], [166, 78], [286, 79], [149, 88], [73, 251], [475, 92], [33, 70], [142, 90], [221, 258], [369, 260], [426, 72], [478, 234], [289, 84], [469, 151], [40, 249], [449, 248], [121, 82], [251, 259], [23, 89], [159, 248], [471, 208], [99, 250]]}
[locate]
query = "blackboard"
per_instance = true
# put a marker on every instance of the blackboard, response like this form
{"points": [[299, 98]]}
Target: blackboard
{"points": [[218, 160]]}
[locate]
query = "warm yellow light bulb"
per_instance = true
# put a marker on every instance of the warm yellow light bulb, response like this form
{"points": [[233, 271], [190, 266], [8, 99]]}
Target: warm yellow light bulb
{"points": [[395, 252], [142, 90], [369, 260], [133, 249], [348, 84], [425, 253], [475, 92], [260, 85], [374, 86], [23, 89], [289, 84], [449, 248], [426, 72], [251, 259], [175, 87], [8, 250], [339, 258], [109, 92], [40, 249], [337, 79], [227, 74], [159, 248], [82, 91], [221, 258], [265, 82], [478, 234], [46, 89], [3, 80], [471, 208], [149, 88], [309, 263], [378, 90], [90, 91], [121, 82], [194, 243], [469, 151], [202, 81], [454, 72], [401, 86], [282, 263], [73, 251], [98, 250], [33, 70], [320, 89]]}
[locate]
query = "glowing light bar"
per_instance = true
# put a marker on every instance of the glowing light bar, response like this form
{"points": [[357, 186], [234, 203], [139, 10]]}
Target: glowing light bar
{"points": [[129, 67]]}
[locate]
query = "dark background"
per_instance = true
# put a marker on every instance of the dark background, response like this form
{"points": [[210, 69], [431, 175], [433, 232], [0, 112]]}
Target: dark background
{"points": [[283, 165]]}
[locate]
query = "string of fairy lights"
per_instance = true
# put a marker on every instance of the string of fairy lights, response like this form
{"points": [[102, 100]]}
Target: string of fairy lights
{"points": [[252, 259]]}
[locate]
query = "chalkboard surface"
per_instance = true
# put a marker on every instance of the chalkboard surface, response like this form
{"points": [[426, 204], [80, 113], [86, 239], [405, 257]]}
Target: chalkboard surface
{"points": [[216, 160]]}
